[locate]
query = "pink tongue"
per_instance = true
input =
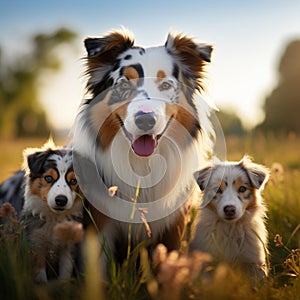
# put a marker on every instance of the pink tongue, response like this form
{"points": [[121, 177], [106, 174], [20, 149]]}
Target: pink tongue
{"points": [[144, 145]]}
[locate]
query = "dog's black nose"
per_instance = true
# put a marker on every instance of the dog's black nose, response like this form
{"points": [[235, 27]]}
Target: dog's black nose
{"points": [[145, 121], [61, 200], [229, 211]]}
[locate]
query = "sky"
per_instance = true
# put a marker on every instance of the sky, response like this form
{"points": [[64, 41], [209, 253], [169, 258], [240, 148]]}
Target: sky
{"points": [[249, 38]]}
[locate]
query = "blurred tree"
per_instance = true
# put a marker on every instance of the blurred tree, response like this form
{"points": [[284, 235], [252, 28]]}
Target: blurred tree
{"points": [[230, 122], [20, 111], [282, 106]]}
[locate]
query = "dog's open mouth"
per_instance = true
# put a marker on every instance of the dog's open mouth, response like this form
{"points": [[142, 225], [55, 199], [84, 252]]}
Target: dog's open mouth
{"points": [[145, 144]]}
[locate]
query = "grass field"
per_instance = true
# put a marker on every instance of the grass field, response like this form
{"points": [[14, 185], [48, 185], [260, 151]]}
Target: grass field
{"points": [[11, 156], [281, 154]]}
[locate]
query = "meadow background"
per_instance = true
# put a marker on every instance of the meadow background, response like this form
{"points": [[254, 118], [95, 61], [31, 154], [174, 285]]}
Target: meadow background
{"points": [[254, 80], [279, 153]]}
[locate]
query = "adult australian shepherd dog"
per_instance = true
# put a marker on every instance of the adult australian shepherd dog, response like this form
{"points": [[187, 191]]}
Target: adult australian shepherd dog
{"points": [[145, 129]]}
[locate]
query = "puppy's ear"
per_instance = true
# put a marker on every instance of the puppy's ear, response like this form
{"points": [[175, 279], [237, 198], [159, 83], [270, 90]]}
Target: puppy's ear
{"points": [[35, 161], [202, 177], [258, 174]]}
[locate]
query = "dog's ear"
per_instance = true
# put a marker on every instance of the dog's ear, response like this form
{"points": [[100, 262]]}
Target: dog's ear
{"points": [[258, 174], [93, 46], [191, 56], [205, 51], [35, 161], [202, 177], [102, 56], [109, 46]]}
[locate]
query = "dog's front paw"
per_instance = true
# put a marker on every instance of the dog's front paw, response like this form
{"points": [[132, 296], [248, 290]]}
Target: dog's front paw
{"points": [[68, 232]]}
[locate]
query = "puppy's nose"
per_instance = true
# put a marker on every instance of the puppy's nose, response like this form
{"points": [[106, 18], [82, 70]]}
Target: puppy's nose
{"points": [[145, 121], [229, 211], [61, 200]]}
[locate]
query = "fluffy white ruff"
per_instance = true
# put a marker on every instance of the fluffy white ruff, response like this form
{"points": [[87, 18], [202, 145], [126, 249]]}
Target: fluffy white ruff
{"points": [[243, 241]]}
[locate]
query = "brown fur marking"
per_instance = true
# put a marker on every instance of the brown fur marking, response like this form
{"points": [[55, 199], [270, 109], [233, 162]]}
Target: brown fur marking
{"points": [[182, 115], [251, 202], [160, 76], [211, 206], [51, 172], [111, 126], [41, 187], [223, 186], [108, 130], [130, 73], [69, 177], [188, 55], [238, 183]]}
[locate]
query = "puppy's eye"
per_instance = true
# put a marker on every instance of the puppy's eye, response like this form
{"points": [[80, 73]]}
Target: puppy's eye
{"points": [[73, 181], [48, 178], [242, 189], [165, 86], [219, 191]]}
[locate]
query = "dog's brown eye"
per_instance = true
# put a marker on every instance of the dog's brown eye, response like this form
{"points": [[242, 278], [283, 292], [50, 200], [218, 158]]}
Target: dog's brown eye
{"points": [[73, 181], [242, 189], [48, 178]]}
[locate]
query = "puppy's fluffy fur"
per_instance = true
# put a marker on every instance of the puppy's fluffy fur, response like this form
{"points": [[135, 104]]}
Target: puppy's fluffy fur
{"points": [[231, 220], [52, 210]]}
